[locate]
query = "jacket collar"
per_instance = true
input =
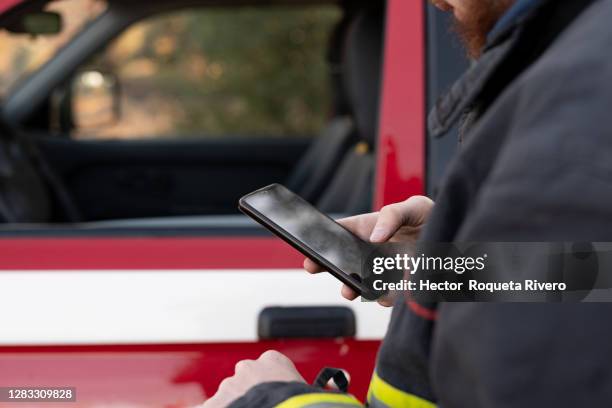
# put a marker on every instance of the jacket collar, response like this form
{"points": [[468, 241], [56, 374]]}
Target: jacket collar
{"points": [[451, 106], [514, 15], [465, 91]]}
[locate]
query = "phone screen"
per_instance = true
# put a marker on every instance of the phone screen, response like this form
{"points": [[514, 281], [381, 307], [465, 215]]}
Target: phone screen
{"points": [[319, 233]]}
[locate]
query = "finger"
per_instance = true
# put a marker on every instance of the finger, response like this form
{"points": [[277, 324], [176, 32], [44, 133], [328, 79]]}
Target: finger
{"points": [[225, 384], [348, 293], [416, 210], [273, 355], [312, 267], [386, 301], [220, 398], [360, 225], [243, 365], [389, 221]]}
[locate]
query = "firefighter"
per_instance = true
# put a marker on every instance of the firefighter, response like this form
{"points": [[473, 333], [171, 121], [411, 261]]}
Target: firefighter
{"points": [[534, 112]]}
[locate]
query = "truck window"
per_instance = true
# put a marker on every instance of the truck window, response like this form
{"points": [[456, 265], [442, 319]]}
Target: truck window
{"points": [[209, 72]]}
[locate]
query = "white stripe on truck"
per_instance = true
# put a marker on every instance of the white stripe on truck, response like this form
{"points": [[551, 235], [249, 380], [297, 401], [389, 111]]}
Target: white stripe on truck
{"points": [[110, 307]]}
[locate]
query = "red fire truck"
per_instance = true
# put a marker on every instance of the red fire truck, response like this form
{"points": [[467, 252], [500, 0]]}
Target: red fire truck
{"points": [[144, 296]]}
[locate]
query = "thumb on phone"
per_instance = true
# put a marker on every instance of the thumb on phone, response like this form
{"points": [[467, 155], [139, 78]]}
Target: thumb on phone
{"points": [[390, 220]]}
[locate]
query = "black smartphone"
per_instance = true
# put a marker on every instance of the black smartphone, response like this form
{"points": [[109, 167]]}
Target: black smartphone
{"points": [[312, 233]]}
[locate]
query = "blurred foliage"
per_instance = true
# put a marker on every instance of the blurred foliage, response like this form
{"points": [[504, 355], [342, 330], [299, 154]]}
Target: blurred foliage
{"points": [[230, 71]]}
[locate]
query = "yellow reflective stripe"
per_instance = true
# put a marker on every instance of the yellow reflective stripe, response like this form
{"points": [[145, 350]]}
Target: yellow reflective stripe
{"points": [[394, 397], [319, 399]]}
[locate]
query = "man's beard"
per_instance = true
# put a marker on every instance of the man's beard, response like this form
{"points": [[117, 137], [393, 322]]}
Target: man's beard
{"points": [[481, 18]]}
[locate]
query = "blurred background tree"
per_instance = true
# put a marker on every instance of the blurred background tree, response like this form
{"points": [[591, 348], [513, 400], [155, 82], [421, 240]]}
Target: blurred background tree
{"points": [[244, 71]]}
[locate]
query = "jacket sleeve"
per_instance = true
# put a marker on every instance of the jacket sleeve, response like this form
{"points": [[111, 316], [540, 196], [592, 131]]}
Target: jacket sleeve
{"points": [[552, 181], [294, 395]]}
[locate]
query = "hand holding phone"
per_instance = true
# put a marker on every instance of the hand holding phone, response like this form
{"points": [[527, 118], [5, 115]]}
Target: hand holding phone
{"points": [[398, 222]]}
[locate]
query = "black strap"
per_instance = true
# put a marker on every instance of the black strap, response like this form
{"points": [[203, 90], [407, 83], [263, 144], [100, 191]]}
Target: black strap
{"points": [[334, 374]]}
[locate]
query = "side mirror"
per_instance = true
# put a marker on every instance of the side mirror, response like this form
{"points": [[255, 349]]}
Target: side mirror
{"points": [[37, 23], [95, 100]]}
